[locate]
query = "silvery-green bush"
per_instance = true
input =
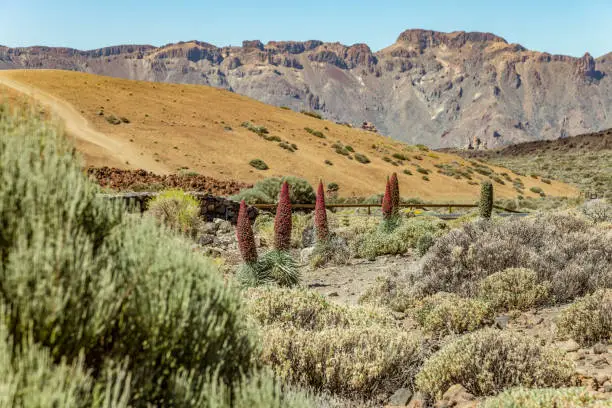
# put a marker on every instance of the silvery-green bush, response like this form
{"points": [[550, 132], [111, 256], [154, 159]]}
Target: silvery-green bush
{"points": [[87, 283], [563, 249]]}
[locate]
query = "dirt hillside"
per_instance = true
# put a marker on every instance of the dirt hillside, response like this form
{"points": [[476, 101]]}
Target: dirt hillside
{"points": [[167, 127]]}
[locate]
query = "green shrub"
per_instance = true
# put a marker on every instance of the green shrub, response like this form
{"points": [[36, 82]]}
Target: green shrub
{"points": [[349, 148], [259, 164], [589, 319], [422, 170], [259, 130], [286, 146], [446, 313], [488, 361], [307, 310], [536, 189], [407, 172], [422, 147], [312, 114], [424, 242], [405, 236], [316, 133], [82, 280], [178, 210], [514, 289], [401, 156], [266, 191], [562, 249], [362, 158], [113, 120], [545, 397], [354, 361]]}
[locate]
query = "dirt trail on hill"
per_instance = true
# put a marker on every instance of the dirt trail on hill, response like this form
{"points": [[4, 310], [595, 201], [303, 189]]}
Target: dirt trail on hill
{"points": [[78, 126]]}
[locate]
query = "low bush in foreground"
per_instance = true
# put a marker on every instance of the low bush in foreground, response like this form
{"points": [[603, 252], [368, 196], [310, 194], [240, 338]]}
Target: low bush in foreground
{"points": [[514, 289], [589, 319], [389, 292], [446, 313], [307, 310], [354, 361], [545, 397], [89, 285], [563, 249], [488, 361]]}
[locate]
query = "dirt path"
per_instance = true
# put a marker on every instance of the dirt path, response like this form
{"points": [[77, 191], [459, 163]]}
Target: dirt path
{"points": [[78, 126]]}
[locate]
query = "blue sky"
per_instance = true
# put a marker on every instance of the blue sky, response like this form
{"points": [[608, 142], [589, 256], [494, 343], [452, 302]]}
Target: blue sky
{"points": [[561, 27]]}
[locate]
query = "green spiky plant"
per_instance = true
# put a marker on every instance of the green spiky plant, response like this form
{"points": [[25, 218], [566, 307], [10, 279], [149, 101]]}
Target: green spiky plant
{"points": [[485, 205]]}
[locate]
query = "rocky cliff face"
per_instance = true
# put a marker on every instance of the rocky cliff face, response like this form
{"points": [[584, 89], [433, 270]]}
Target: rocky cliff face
{"points": [[441, 89]]}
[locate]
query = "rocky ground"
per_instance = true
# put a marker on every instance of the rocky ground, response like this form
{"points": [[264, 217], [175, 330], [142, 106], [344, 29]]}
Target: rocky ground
{"points": [[344, 284], [142, 180]]}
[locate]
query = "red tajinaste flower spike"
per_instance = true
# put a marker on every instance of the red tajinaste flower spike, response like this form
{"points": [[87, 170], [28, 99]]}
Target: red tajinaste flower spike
{"points": [[320, 219], [282, 222], [244, 233], [387, 204], [395, 193]]}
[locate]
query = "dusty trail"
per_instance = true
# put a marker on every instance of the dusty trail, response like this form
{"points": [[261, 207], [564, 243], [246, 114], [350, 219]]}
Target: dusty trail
{"points": [[78, 126]]}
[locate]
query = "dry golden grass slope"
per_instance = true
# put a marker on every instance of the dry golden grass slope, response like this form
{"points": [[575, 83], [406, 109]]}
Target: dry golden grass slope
{"points": [[198, 127]]}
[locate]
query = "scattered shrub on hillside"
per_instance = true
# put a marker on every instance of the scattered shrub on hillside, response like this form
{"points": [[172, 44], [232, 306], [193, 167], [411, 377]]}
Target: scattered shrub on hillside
{"points": [[589, 319], [287, 146], [259, 164], [422, 147], [446, 313], [312, 114], [354, 361], [83, 281], [333, 187], [407, 172], [488, 361], [546, 181], [362, 158], [178, 210], [349, 148], [113, 120], [328, 162], [340, 149], [124, 119], [401, 156], [272, 138], [266, 191], [259, 130], [316, 133], [422, 170], [514, 289], [561, 248], [537, 190]]}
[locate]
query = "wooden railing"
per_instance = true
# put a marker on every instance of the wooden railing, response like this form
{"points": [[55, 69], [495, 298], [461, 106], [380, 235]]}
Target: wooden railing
{"points": [[424, 206]]}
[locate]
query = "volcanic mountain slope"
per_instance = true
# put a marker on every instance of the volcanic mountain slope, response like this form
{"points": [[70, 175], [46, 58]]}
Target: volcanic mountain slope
{"points": [[169, 127], [583, 160], [436, 88]]}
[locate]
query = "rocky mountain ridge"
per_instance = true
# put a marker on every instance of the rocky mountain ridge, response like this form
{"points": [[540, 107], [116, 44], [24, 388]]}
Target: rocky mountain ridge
{"points": [[440, 89]]}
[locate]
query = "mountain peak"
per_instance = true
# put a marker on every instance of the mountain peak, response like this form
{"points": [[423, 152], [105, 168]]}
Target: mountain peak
{"points": [[428, 38]]}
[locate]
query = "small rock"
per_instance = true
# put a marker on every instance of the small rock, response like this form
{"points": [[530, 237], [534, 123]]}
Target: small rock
{"points": [[308, 236], [225, 227], [569, 346], [457, 394], [401, 397], [210, 228], [306, 254], [333, 294], [607, 387], [501, 322], [418, 401], [206, 239], [537, 320], [600, 348], [601, 363], [601, 379]]}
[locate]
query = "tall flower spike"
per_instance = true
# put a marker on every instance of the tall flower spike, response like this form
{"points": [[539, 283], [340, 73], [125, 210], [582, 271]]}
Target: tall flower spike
{"points": [[282, 222], [244, 233], [321, 215], [387, 204], [395, 194]]}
